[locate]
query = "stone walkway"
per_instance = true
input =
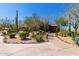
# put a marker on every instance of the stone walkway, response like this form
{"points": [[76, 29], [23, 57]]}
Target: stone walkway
{"points": [[55, 47]]}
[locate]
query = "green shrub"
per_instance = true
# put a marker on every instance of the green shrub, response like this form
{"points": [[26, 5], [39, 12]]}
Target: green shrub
{"points": [[28, 30], [69, 34], [36, 33], [39, 38], [12, 35], [78, 34], [77, 40], [23, 35]]}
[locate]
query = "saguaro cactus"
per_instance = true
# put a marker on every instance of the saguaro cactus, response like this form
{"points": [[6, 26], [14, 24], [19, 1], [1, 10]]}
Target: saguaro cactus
{"points": [[17, 20], [69, 26]]}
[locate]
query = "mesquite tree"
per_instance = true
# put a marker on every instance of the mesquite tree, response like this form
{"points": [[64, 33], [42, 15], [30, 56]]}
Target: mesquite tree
{"points": [[75, 14]]}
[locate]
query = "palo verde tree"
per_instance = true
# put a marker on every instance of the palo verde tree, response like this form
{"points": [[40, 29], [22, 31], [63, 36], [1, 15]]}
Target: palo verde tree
{"points": [[61, 22], [45, 24], [33, 22]]}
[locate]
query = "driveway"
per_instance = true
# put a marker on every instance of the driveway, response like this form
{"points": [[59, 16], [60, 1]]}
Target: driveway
{"points": [[55, 47]]}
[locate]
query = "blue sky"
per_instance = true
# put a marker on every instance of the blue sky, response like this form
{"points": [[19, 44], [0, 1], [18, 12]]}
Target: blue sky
{"points": [[53, 10]]}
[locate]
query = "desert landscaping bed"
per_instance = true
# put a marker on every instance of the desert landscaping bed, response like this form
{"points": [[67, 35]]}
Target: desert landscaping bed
{"points": [[27, 40]]}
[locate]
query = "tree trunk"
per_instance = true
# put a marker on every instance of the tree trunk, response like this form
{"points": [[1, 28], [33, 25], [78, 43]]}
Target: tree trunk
{"points": [[75, 26]]}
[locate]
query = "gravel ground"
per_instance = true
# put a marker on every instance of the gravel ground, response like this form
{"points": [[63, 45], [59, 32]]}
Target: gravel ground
{"points": [[55, 47]]}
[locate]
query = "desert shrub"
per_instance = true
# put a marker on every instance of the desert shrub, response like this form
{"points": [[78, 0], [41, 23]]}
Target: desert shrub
{"points": [[45, 37], [73, 36], [69, 33], [23, 35], [60, 33], [4, 33], [39, 38], [12, 31], [77, 40], [12, 35], [64, 33], [33, 35], [78, 34]]}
